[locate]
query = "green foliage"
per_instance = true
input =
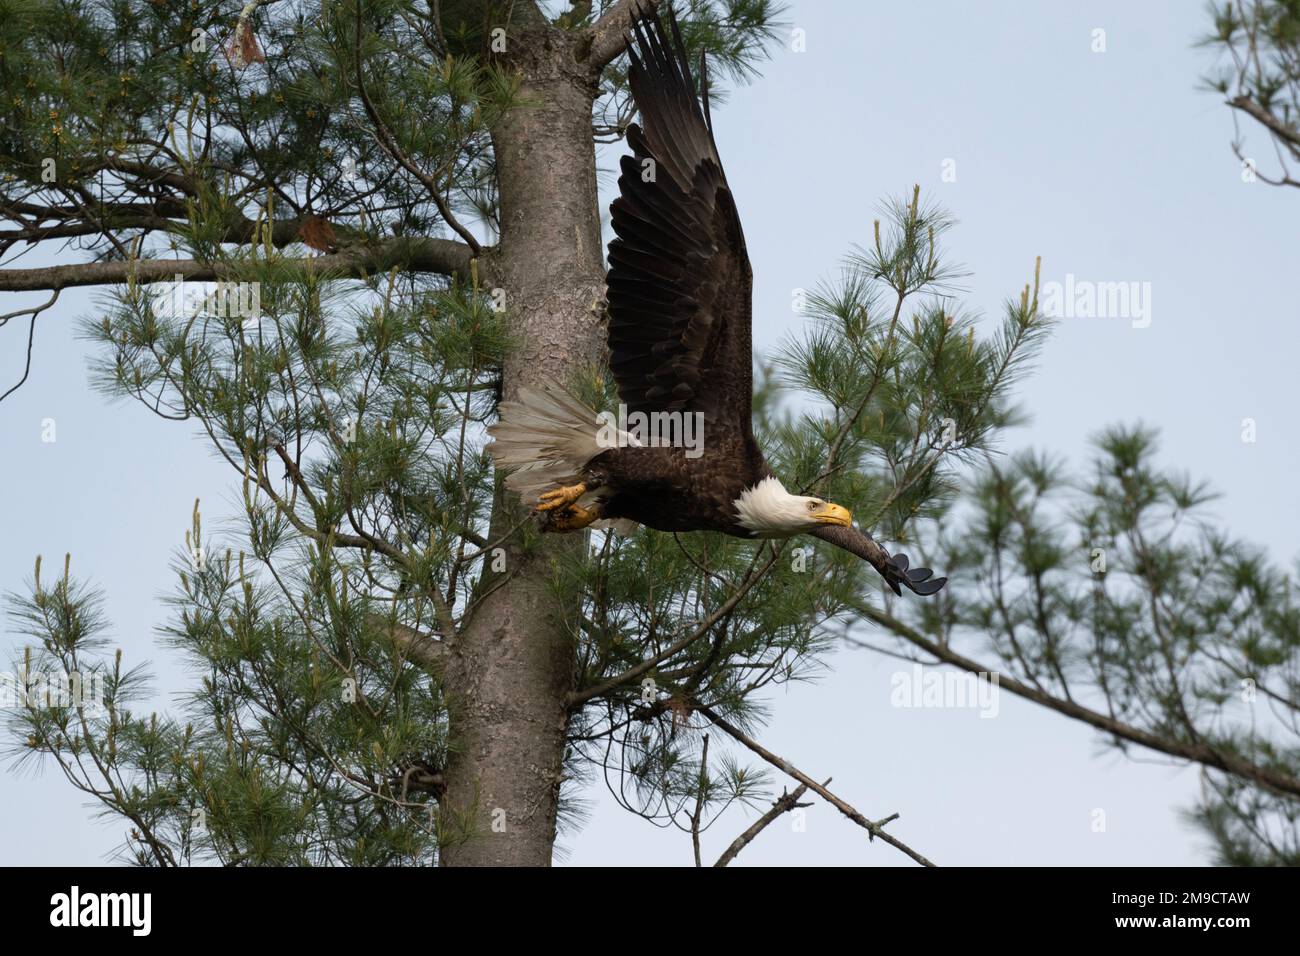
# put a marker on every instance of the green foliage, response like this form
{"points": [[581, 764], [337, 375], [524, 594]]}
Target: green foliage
{"points": [[733, 37], [352, 417], [905, 388], [1118, 591], [1258, 71], [277, 756], [159, 130]]}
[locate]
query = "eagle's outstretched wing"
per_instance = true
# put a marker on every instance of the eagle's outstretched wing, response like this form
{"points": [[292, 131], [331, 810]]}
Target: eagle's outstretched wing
{"points": [[679, 277]]}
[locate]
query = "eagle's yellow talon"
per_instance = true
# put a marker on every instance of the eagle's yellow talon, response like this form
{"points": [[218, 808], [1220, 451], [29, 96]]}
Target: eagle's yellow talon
{"points": [[572, 518], [561, 497]]}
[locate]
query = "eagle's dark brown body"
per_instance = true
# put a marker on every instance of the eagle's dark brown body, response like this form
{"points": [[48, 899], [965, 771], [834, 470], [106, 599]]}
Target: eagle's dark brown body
{"points": [[663, 489]]}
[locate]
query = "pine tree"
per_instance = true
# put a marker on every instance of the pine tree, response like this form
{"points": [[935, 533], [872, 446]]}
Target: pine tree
{"points": [[1111, 596]]}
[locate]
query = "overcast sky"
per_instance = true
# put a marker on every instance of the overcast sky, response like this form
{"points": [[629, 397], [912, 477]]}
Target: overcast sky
{"points": [[1111, 165]]}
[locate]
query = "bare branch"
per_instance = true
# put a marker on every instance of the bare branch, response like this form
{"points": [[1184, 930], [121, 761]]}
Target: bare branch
{"points": [[699, 800], [605, 39], [438, 256], [1199, 753], [417, 646], [1289, 135], [632, 673], [783, 804], [876, 829], [34, 311]]}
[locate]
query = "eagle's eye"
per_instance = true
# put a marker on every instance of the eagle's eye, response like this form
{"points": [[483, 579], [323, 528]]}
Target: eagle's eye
{"points": [[814, 505]]}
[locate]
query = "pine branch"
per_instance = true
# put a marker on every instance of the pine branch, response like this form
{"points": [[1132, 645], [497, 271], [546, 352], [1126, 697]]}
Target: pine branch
{"points": [[434, 256], [580, 697], [1197, 753], [389, 142], [415, 644], [1289, 135]]}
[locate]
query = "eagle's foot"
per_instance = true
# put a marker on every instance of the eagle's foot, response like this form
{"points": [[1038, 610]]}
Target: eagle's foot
{"points": [[561, 497], [571, 518]]}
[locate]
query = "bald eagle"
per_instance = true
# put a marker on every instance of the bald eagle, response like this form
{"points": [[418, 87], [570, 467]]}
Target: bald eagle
{"points": [[679, 306]]}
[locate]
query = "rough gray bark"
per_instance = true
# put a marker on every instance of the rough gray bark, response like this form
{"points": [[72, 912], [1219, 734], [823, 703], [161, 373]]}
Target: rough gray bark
{"points": [[510, 667]]}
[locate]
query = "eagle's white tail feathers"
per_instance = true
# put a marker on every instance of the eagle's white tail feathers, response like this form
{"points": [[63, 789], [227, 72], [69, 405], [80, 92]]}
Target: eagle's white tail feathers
{"points": [[545, 439]]}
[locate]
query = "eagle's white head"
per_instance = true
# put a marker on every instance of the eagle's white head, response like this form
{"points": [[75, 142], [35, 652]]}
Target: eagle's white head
{"points": [[770, 511]]}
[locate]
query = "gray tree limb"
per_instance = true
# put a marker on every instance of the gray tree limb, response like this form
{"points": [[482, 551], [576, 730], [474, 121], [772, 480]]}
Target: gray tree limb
{"points": [[1196, 752], [437, 256], [604, 39]]}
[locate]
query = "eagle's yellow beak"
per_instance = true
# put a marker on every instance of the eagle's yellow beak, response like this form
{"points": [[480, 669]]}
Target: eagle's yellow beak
{"points": [[833, 514]]}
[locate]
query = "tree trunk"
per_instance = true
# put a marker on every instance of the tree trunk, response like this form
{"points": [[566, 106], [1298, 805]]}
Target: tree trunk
{"points": [[512, 663]]}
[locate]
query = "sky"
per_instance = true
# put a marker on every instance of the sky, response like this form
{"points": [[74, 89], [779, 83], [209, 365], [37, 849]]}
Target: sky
{"points": [[1113, 166]]}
